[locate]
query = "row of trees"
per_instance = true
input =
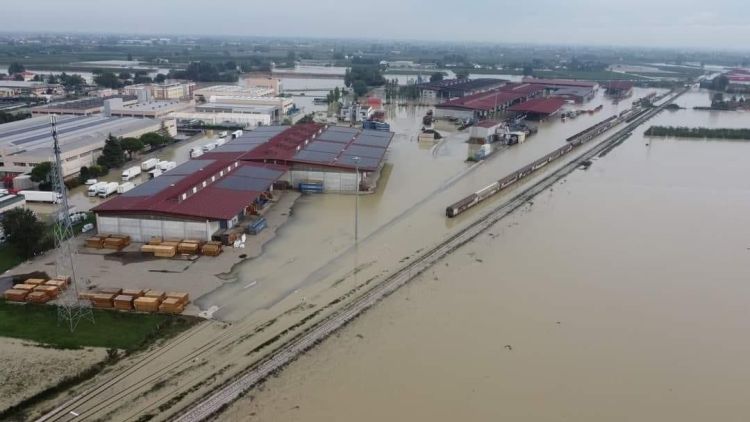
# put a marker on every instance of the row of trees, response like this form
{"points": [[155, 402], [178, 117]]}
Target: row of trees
{"points": [[6, 117], [25, 233], [698, 132], [208, 72], [360, 77], [116, 152]]}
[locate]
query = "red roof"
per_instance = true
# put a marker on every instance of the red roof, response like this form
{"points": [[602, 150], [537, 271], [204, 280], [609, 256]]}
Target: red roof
{"points": [[619, 85], [560, 82], [488, 100], [210, 202], [283, 146], [539, 105]]}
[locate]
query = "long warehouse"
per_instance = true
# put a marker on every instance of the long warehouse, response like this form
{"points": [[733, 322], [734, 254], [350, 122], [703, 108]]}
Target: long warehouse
{"points": [[218, 189]]}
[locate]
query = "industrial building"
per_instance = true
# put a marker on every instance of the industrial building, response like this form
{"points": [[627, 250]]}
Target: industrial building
{"points": [[539, 108], [205, 94], [618, 89], [152, 109], [274, 84], [26, 143], [244, 120], [217, 190], [82, 107], [169, 90], [29, 89], [561, 83], [452, 88], [481, 105]]}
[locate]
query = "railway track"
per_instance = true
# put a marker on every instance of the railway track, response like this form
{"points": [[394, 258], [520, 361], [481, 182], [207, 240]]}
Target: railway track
{"points": [[287, 352]]}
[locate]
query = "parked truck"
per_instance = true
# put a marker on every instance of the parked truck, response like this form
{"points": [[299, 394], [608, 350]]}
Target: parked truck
{"points": [[196, 152], [108, 189], [124, 187], [149, 164], [41, 196], [94, 189], [223, 134], [166, 165], [209, 146], [130, 173], [237, 133]]}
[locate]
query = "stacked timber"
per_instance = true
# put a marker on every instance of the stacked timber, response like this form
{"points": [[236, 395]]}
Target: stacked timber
{"points": [[110, 290], [190, 247], [171, 305], [51, 291], [124, 302], [35, 281], [182, 297], [86, 295], [157, 294], [95, 242], [116, 241], [147, 304], [212, 248], [24, 286], [165, 251], [133, 292], [103, 300], [37, 297], [155, 240], [60, 284], [15, 295]]}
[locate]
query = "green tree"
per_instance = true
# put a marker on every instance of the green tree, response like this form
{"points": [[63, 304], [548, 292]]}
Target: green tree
{"points": [[72, 82], [42, 174], [107, 80], [436, 77], [124, 75], [528, 70], [160, 78], [462, 74], [348, 77], [25, 232], [360, 88], [112, 153], [15, 67], [132, 146]]}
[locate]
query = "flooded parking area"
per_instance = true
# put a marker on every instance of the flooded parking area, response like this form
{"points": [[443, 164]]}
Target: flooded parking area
{"points": [[618, 295]]}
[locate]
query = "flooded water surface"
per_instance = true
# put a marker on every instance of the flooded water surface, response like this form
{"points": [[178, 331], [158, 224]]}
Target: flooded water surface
{"points": [[621, 294]]}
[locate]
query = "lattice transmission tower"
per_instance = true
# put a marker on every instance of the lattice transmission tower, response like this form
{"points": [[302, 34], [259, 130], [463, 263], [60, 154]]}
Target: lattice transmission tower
{"points": [[70, 308]]}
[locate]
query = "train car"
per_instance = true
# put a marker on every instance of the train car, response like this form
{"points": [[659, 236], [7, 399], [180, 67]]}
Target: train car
{"points": [[461, 206], [507, 181], [488, 191]]}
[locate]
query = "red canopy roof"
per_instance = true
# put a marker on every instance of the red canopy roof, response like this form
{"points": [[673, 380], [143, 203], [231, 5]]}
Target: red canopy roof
{"points": [[539, 105]]}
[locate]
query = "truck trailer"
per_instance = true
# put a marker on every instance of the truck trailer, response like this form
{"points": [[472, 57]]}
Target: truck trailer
{"points": [[41, 196], [130, 173]]}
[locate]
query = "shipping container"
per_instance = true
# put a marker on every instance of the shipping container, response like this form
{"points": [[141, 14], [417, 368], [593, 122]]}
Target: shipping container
{"points": [[108, 189], [130, 173], [149, 164], [124, 187]]}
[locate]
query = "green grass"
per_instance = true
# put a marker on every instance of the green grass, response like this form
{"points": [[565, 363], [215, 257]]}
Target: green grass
{"points": [[8, 257], [111, 329]]}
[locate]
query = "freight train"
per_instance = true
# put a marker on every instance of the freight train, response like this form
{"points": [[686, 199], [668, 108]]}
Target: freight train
{"points": [[573, 142]]}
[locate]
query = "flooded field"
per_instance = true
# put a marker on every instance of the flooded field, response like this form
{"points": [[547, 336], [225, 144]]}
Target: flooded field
{"points": [[619, 295], [405, 214]]}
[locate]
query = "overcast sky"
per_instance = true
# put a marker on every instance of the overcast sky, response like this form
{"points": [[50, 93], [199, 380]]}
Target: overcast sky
{"points": [[682, 23]]}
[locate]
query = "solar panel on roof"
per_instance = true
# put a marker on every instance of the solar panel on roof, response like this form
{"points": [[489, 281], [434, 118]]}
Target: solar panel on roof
{"points": [[365, 151], [372, 141], [275, 129], [244, 183], [315, 157], [375, 133], [154, 186], [367, 163], [258, 172], [335, 136], [322, 146], [233, 147], [341, 129], [190, 167]]}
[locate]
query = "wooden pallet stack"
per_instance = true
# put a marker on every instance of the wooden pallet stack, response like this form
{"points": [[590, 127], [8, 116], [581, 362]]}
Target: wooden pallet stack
{"points": [[103, 300], [147, 304], [16, 295], [95, 242], [123, 302], [212, 248], [189, 247], [37, 297]]}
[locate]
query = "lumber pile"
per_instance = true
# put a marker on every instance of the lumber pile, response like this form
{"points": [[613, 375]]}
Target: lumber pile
{"points": [[37, 297], [34, 281], [95, 242], [191, 247], [51, 291], [155, 240], [15, 295], [171, 305], [103, 300], [124, 302], [183, 297], [133, 292], [60, 284], [110, 290], [146, 304], [158, 294], [24, 286], [212, 248]]}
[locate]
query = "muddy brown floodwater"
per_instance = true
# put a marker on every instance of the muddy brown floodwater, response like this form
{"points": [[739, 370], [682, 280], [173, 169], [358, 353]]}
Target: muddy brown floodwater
{"points": [[620, 295]]}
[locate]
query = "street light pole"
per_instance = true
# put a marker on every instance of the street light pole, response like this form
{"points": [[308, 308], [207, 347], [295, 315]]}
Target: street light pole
{"points": [[356, 199]]}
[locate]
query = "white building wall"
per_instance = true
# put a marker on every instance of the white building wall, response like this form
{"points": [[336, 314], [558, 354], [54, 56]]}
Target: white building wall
{"points": [[143, 229], [333, 181], [444, 113]]}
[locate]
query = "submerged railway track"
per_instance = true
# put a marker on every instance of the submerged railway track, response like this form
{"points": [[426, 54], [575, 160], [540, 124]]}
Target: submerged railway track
{"points": [[287, 352]]}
